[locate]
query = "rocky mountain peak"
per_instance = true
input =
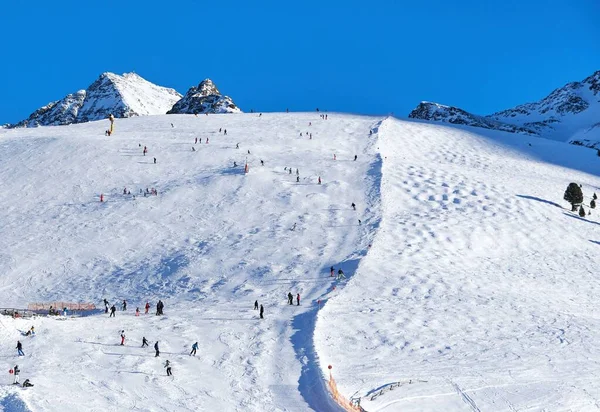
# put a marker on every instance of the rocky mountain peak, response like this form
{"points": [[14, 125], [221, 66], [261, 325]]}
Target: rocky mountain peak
{"points": [[204, 98]]}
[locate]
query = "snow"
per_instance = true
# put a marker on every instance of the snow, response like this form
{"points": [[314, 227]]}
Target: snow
{"points": [[469, 281], [480, 285]]}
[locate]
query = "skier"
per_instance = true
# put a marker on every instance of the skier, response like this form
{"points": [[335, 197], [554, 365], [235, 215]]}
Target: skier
{"points": [[248, 151], [194, 348], [294, 227], [193, 149], [355, 157], [30, 332], [207, 140], [225, 132], [370, 132], [156, 349], [262, 310], [319, 179], [310, 137], [122, 338], [16, 371], [334, 157], [262, 163], [137, 311], [298, 299], [124, 304], [112, 311], [341, 274], [234, 164], [256, 305], [168, 366], [359, 222], [27, 384], [290, 170], [196, 141], [297, 172], [237, 146], [155, 160], [144, 341], [353, 206], [290, 298], [332, 272], [105, 306], [124, 190], [297, 179], [20, 348], [147, 307], [172, 125]]}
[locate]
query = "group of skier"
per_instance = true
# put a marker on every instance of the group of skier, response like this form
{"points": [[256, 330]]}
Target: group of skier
{"points": [[112, 309]]}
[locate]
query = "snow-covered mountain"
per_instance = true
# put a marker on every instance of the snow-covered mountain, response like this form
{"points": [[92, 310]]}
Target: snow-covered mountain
{"points": [[449, 114], [204, 98], [124, 96], [566, 114]]}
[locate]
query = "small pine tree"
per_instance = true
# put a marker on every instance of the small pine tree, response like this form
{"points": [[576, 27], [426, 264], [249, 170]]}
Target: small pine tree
{"points": [[581, 211], [595, 197], [593, 204], [574, 196]]}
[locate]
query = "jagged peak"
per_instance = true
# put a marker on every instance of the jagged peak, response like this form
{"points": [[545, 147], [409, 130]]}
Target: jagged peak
{"points": [[207, 88]]}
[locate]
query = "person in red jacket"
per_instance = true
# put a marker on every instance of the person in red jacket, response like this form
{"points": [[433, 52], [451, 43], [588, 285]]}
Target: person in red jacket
{"points": [[298, 299], [147, 307]]}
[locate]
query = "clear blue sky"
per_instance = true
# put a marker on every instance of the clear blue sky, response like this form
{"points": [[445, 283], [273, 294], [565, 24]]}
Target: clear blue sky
{"points": [[370, 57]]}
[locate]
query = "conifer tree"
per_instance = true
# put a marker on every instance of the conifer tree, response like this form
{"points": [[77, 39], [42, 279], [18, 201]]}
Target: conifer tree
{"points": [[574, 196]]}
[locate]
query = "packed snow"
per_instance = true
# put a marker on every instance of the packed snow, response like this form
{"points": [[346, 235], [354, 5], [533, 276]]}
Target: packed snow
{"points": [[469, 284]]}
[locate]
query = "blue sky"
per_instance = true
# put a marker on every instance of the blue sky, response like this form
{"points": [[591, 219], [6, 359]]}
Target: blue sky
{"points": [[370, 57]]}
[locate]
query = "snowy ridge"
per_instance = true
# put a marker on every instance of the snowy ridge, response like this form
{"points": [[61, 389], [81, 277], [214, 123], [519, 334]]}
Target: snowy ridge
{"points": [[562, 115], [449, 114], [122, 96], [205, 98]]}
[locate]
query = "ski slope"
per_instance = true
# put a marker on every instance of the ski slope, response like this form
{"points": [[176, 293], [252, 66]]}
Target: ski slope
{"points": [[479, 292], [211, 243], [468, 275]]}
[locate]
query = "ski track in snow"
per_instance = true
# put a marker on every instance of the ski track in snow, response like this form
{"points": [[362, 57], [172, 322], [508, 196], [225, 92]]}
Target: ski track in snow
{"points": [[469, 281]]}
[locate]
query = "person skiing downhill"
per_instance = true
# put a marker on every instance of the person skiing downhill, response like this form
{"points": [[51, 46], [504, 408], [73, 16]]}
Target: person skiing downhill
{"points": [[156, 349], [122, 338], [194, 348], [341, 274], [113, 309], [168, 366], [144, 341], [147, 308], [16, 372], [20, 348], [355, 157], [256, 305]]}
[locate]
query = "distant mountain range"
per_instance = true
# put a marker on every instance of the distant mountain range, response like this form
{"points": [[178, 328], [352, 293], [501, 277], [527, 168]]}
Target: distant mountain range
{"points": [[570, 113], [127, 96]]}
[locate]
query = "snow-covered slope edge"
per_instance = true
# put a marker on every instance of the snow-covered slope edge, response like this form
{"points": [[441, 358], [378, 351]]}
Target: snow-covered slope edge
{"points": [[564, 113], [122, 96], [478, 292]]}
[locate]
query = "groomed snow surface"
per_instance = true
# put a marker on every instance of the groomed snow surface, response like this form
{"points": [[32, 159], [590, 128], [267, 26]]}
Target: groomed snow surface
{"points": [[469, 283]]}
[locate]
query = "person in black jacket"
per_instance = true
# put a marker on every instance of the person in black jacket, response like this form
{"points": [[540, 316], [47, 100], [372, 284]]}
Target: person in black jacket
{"points": [[20, 348], [27, 384], [16, 372], [156, 349], [144, 341], [112, 311], [262, 310]]}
